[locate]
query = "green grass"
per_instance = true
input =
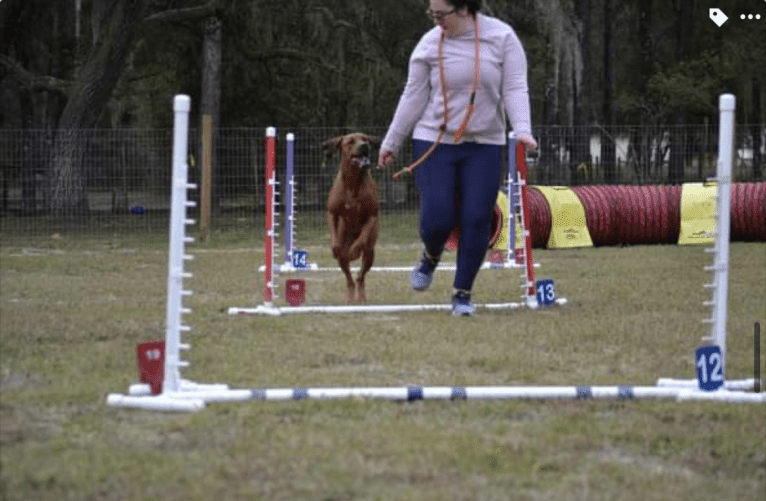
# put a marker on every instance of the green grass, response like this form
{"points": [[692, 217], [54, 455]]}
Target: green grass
{"points": [[71, 315]]}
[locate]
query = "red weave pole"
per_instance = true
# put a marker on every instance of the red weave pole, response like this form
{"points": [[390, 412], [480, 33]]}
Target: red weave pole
{"points": [[268, 248], [521, 168]]}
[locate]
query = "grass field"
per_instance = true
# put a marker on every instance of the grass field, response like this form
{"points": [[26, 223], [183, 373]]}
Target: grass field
{"points": [[70, 317]]}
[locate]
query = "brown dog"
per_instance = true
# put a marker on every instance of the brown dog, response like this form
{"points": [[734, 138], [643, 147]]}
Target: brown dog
{"points": [[352, 209]]}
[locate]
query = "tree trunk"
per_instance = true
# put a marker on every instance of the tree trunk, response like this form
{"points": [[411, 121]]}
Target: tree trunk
{"points": [[581, 168], [114, 24], [685, 11], [756, 129], [608, 152], [211, 95], [640, 140]]}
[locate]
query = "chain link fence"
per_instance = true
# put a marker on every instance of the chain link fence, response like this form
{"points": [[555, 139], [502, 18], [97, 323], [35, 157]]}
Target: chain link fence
{"points": [[124, 175]]}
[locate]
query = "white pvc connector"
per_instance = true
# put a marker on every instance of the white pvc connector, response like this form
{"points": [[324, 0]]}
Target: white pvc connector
{"points": [[727, 102], [182, 104]]}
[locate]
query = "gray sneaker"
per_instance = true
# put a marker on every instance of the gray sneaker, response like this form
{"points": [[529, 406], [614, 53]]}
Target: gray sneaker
{"points": [[422, 276], [462, 306]]}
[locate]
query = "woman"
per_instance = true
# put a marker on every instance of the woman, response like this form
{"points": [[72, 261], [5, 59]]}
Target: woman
{"points": [[465, 75]]}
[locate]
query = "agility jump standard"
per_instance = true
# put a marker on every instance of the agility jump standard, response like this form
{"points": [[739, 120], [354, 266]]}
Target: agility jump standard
{"points": [[512, 195], [270, 268], [180, 395], [720, 267]]}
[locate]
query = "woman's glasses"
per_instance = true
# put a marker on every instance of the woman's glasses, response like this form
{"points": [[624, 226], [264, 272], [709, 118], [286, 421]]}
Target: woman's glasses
{"points": [[439, 15]]}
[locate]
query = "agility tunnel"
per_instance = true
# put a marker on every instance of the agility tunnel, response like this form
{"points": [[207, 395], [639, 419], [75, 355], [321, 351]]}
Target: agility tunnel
{"points": [[643, 215]]}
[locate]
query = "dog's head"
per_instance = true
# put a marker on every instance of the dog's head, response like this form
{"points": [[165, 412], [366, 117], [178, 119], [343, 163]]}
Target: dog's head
{"points": [[355, 149]]}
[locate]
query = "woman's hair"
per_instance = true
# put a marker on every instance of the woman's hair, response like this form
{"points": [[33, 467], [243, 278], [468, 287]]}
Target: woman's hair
{"points": [[473, 6]]}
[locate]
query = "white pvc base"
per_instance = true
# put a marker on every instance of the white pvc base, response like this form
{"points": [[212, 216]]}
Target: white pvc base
{"points": [[271, 310], [164, 402], [138, 390], [690, 384], [195, 400]]}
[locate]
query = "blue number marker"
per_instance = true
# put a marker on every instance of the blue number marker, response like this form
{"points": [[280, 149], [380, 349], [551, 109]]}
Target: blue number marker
{"points": [[709, 363], [546, 292], [300, 259]]}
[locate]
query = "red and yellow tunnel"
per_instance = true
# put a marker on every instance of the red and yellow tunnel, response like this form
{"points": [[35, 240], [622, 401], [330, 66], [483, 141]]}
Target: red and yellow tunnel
{"points": [[584, 216]]}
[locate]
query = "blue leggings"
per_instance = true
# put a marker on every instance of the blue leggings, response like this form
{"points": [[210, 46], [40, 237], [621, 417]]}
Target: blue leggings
{"points": [[458, 186]]}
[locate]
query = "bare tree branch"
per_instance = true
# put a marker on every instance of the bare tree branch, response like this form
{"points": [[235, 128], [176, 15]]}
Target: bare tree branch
{"points": [[31, 81], [285, 53], [190, 14]]}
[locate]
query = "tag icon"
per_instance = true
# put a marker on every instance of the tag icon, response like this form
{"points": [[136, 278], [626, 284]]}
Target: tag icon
{"points": [[718, 17]]}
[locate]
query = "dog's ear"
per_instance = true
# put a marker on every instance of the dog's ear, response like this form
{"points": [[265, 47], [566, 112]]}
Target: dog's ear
{"points": [[332, 143], [373, 139], [329, 147]]}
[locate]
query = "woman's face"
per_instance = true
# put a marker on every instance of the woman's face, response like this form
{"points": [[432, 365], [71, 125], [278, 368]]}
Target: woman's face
{"points": [[445, 14]]}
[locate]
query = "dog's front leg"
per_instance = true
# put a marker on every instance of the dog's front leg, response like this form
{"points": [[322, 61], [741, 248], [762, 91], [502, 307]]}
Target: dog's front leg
{"points": [[366, 239], [335, 235], [370, 235]]}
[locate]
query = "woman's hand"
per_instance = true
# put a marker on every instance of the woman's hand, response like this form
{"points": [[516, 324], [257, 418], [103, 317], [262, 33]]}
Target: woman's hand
{"points": [[385, 158], [528, 141]]}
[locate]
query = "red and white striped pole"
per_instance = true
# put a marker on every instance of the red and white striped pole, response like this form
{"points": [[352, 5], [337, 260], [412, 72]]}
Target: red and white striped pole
{"points": [[268, 248], [521, 169]]}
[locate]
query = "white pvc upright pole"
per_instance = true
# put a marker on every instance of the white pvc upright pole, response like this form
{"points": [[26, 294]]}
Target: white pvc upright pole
{"points": [[727, 106], [178, 240]]}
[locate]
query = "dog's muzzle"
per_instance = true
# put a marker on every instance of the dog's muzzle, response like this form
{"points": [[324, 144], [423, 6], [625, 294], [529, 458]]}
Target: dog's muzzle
{"points": [[362, 161]]}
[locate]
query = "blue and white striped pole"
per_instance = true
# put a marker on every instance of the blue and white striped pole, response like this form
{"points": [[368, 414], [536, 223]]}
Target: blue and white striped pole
{"points": [[414, 393], [512, 199], [289, 199]]}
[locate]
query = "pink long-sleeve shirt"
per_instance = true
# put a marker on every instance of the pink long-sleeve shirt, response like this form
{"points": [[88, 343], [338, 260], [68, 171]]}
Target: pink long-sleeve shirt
{"points": [[502, 87]]}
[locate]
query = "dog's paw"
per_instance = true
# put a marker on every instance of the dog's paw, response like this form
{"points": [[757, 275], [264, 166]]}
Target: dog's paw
{"points": [[336, 251], [356, 251]]}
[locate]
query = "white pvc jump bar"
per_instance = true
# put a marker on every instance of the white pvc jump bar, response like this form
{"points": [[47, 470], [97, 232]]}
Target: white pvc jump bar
{"points": [[272, 310], [507, 265]]}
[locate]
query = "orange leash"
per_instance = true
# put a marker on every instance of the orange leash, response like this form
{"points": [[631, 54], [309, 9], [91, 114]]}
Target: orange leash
{"points": [[469, 108]]}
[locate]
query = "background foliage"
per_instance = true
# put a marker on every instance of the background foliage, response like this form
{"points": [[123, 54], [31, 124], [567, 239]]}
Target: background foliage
{"points": [[69, 66], [343, 62]]}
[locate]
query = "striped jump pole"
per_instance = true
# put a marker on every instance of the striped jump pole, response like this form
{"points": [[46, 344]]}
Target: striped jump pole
{"points": [[414, 393], [290, 199]]}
